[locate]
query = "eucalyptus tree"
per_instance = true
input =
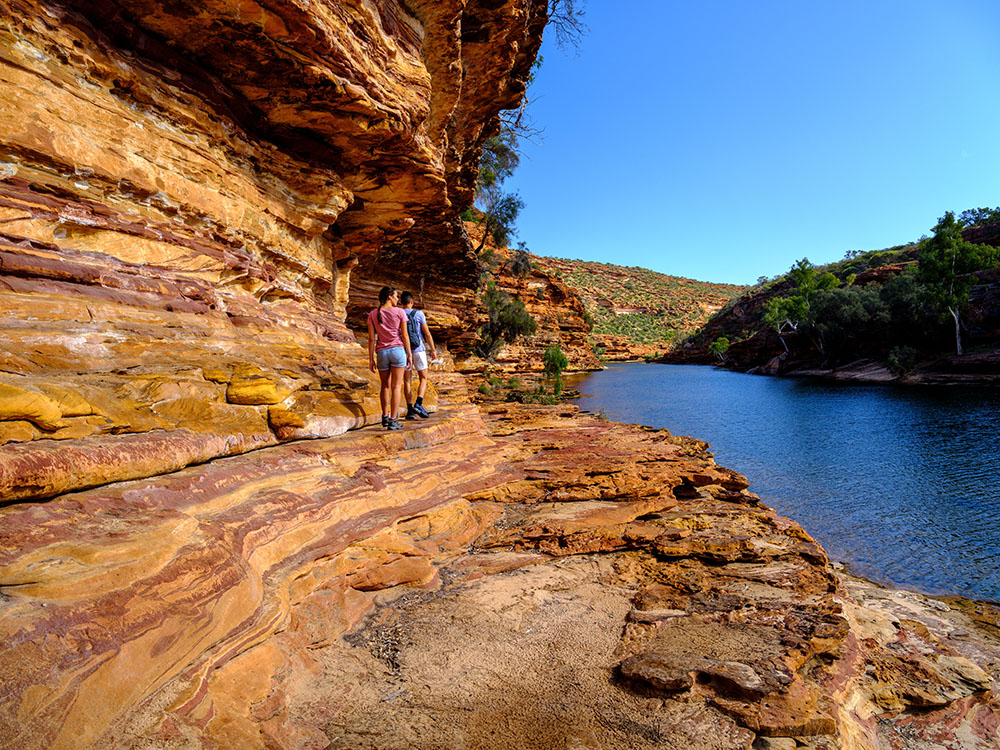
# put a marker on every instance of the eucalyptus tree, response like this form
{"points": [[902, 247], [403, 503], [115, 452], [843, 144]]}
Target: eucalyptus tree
{"points": [[947, 265]]}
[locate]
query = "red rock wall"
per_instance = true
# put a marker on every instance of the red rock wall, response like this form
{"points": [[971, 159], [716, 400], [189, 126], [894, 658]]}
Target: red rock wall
{"points": [[560, 316], [192, 196], [186, 191]]}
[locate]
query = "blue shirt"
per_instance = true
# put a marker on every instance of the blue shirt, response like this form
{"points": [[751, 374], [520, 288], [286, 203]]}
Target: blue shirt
{"points": [[421, 320]]}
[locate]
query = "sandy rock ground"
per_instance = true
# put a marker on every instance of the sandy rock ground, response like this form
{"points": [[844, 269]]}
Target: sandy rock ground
{"points": [[507, 576], [523, 659], [597, 613]]}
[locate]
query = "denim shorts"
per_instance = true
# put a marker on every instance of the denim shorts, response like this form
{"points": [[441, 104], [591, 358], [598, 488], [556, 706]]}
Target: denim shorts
{"points": [[394, 356]]}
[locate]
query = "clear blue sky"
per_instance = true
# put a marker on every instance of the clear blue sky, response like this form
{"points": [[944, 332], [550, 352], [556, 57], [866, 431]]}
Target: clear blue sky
{"points": [[724, 139]]}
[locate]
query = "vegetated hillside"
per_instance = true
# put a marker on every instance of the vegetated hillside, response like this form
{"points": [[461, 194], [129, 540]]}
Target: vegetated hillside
{"points": [[637, 312], [873, 315], [556, 309]]}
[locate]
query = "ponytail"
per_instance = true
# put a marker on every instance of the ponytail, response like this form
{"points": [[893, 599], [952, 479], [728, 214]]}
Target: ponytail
{"points": [[383, 296]]}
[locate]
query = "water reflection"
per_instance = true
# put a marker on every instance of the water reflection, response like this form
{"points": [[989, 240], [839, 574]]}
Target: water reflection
{"points": [[900, 483]]}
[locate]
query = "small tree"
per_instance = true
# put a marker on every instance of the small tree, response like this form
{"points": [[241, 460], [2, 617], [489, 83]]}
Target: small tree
{"points": [[554, 361], [972, 216], [840, 317], [498, 160], [719, 347], [784, 314], [808, 280], [553, 364], [520, 262], [946, 264], [508, 319], [566, 19], [500, 211]]}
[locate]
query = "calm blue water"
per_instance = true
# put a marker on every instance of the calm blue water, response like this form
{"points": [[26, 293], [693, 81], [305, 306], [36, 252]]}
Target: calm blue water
{"points": [[901, 484]]}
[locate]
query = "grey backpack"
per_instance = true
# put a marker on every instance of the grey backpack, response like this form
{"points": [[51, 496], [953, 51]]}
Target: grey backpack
{"points": [[413, 329]]}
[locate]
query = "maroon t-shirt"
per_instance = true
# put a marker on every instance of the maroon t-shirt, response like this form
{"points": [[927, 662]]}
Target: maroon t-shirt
{"points": [[388, 331]]}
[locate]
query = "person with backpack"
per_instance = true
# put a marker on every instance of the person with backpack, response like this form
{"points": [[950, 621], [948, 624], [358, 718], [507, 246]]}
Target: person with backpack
{"points": [[421, 339], [389, 351]]}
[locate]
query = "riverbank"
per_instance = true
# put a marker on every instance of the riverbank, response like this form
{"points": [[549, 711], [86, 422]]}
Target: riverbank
{"points": [[973, 369], [915, 506], [507, 576]]}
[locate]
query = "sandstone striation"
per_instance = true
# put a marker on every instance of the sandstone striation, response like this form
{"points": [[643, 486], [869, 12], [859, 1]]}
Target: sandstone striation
{"points": [[194, 196], [539, 577]]}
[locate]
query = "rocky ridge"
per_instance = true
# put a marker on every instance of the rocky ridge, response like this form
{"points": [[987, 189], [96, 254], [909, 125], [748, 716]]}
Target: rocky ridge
{"points": [[756, 347], [638, 313]]}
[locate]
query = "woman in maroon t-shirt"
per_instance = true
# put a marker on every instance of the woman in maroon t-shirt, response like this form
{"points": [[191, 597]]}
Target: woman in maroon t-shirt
{"points": [[391, 354]]}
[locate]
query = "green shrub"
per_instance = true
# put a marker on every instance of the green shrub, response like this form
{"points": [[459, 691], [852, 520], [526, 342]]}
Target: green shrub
{"points": [[520, 263], [514, 383], [554, 361], [508, 320], [719, 347], [485, 389], [902, 359]]}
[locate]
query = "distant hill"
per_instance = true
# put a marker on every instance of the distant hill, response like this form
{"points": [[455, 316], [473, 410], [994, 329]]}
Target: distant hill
{"points": [[637, 312], [877, 323]]}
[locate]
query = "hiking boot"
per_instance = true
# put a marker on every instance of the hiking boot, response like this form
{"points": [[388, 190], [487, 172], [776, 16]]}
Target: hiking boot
{"points": [[411, 412], [385, 421], [420, 411], [394, 425]]}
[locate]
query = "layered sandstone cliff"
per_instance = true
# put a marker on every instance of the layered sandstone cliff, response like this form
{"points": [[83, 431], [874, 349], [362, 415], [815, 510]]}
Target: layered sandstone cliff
{"points": [[194, 196]]}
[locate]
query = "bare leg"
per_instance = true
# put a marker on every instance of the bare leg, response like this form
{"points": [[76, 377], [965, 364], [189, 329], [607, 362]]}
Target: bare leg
{"points": [[407, 386], [397, 387], [383, 393], [422, 385]]}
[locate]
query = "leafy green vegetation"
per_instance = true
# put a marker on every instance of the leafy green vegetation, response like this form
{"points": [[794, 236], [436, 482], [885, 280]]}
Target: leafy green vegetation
{"points": [[719, 347], [901, 359], [896, 305], [553, 364], [946, 262], [508, 319], [785, 314], [554, 361], [520, 262], [499, 215], [639, 305]]}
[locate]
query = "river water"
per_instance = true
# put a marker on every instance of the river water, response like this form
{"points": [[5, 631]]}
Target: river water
{"points": [[901, 484]]}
